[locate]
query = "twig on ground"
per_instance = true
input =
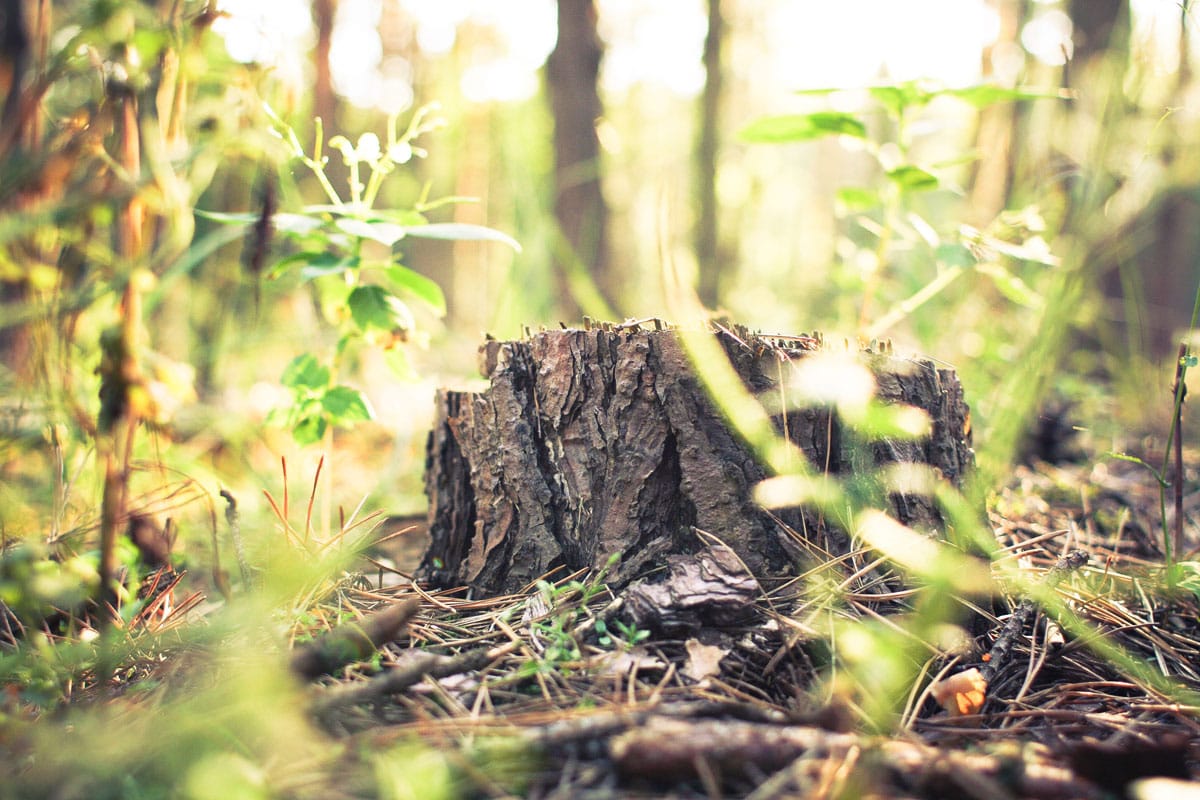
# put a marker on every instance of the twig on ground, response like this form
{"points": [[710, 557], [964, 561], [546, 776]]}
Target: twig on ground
{"points": [[1006, 641], [398, 679], [353, 641], [235, 533]]}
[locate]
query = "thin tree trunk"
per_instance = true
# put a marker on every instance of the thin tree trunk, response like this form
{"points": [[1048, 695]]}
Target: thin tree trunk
{"points": [[998, 126], [1101, 27], [324, 98], [572, 73], [707, 233], [15, 135]]}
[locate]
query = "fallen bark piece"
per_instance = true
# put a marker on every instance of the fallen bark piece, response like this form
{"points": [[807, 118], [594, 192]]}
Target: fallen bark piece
{"points": [[711, 588], [590, 444], [352, 641]]}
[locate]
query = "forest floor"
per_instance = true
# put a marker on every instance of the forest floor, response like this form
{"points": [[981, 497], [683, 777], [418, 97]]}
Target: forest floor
{"points": [[547, 694], [734, 712]]}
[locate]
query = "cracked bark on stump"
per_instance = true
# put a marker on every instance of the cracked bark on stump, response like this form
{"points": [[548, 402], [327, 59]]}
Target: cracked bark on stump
{"points": [[591, 443]]}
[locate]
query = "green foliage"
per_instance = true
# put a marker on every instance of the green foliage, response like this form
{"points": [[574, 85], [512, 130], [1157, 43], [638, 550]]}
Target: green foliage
{"points": [[625, 635], [889, 212], [803, 127], [33, 585], [564, 617], [877, 667], [134, 114], [349, 247], [315, 403]]}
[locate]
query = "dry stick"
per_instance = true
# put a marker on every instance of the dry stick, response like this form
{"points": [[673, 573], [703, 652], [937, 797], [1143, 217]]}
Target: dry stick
{"points": [[220, 579], [312, 497], [353, 641], [1001, 651], [283, 463], [235, 532], [398, 679]]}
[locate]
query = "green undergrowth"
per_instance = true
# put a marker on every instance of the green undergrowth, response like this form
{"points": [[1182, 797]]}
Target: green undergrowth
{"points": [[106, 691]]}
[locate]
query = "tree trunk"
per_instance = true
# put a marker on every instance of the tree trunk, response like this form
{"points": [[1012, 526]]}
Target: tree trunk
{"points": [[707, 234], [17, 129], [324, 98], [999, 125], [1101, 27], [572, 72], [591, 443]]}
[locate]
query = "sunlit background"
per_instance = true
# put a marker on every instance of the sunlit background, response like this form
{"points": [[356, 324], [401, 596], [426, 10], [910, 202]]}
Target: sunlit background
{"points": [[806, 43], [781, 230]]}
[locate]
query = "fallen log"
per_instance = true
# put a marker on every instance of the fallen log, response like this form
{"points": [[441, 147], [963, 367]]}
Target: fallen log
{"points": [[600, 447]]}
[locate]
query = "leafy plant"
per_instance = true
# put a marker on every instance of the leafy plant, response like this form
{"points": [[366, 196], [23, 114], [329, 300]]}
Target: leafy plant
{"points": [[876, 665], [566, 616], [626, 635], [347, 247], [888, 212]]}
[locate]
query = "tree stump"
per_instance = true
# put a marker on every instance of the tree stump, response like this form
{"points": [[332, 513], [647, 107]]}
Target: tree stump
{"points": [[600, 443]]}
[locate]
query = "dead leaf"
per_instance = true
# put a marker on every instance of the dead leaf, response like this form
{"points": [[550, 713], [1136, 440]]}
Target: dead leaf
{"points": [[621, 663], [704, 660]]}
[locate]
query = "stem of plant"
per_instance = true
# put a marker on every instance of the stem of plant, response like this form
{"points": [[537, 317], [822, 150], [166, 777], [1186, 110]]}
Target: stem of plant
{"points": [[1175, 437], [317, 162], [883, 246]]}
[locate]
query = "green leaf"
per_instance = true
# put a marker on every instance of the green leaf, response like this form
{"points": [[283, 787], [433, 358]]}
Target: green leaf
{"points": [[309, 430], [397, 360], [858, 198], [955, 254], [305, 372], [317, 263], [226, 218], [821, 91], [989, 94], [328, 208], [295, 224], [898, 98], [893, 421], [459, 231], [375, 308], [420, 287], [803, 127], [281, 417], [401, 216], [1130, 459], [330, 264], [345, 405], [1010, 285], [386, 233], [911, 178]]}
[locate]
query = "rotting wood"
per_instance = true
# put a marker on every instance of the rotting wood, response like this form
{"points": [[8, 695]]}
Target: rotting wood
{"points": [[590, 443]]}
